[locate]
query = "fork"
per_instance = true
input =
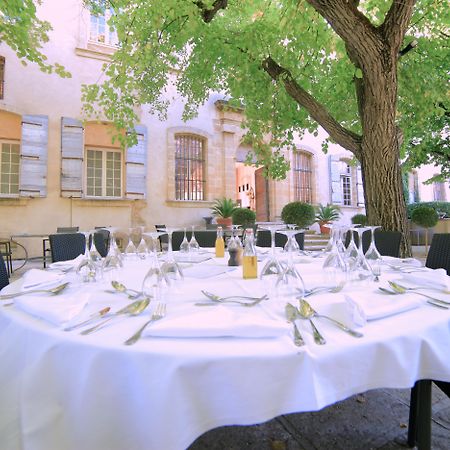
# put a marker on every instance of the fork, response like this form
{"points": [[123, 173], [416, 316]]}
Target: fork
{"points": [[159, 313]]}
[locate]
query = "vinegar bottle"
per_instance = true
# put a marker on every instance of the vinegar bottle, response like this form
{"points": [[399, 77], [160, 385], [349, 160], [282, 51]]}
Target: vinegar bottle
{"points": [[220, 243], [249, 261]]}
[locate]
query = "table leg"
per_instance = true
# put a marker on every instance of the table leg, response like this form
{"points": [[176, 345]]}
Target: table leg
{"points": [[413, 409], [424, 415]]}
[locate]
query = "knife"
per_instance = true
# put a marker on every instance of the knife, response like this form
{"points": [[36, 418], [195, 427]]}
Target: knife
{"points": [[96, 315]]}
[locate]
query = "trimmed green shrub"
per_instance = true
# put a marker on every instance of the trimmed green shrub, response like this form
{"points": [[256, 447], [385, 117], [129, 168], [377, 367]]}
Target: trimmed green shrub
{"points": [[360, 219], [298, 213], [442, 208], [424, 216], [244, 216]]}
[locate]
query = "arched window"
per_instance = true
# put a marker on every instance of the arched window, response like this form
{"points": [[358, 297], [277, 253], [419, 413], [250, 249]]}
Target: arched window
{"points": [[189, 167], [302, 173]]}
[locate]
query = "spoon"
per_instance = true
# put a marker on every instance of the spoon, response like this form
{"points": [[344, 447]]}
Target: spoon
{"points": [[439, 305], [311, 312], [132, 309], [119, 287], [291, 315], [399, 286], [217, 298], [306, 314], [318, 289], [54, 291], [401, 290], [92, 317]]}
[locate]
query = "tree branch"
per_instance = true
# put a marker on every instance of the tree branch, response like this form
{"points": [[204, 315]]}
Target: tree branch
{"points": [[346, 138], [396, 21], [208, 14]]}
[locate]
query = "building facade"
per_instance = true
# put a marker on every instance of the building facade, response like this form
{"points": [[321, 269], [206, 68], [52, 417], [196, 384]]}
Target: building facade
{"points": [[58, 170]]}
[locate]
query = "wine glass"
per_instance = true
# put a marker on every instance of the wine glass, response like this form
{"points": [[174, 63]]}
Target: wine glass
{"points": [[170, 268], [113, 262], [142, 249], [154, 236], [361, 267], [291, 243], [87, 269], [272, 268], [156, 282], [184, 246], [372, 254], [130, 249], [289, 281], [334, 266], [193, 244]]}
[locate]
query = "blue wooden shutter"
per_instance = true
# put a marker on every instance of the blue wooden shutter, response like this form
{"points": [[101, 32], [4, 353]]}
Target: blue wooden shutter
{"points": [[33, 157], [335, 180], [72, 134], [359, 186], [136, 166]]}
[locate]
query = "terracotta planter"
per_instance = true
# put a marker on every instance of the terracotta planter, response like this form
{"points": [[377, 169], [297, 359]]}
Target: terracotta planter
{"points": [[224, 221], [324, 228]]}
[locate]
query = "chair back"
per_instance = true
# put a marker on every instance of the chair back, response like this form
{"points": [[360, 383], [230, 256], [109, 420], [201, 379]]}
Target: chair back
{"points": [[67, 229], [101, 240], [4, 280], [64, 247], [263, 239], [439, 253], [387, 242], [206, 238]]}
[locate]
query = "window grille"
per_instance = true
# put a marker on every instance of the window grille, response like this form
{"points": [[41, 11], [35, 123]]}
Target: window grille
{"points": [[189, 167], [2, 77], [103, 173], [100, 32], [346, 190], [302, 171], [9, 173], [439, 193]]}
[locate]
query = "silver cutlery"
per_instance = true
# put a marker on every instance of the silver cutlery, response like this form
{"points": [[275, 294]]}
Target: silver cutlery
{"points": [[416, 288], [291, 315], [433, 302], [54, 291], [401, 290], [94, 316], [132, 309], [159, 313], [237, 302], [217, 298], [122, 289], [323, 289], [310, 311], [306, 314]]}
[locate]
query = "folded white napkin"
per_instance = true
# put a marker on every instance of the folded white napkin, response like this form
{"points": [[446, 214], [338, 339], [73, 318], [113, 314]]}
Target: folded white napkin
{"points": [[192, 257], [69, 264], [34, 278], [206, 271], [363, 308], [436, 278], [218, 321], [399, 263], [55, 309]]}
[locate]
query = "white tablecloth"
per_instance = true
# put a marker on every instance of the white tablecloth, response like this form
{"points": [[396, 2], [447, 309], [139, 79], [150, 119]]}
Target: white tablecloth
{"points": [[61, 390]]}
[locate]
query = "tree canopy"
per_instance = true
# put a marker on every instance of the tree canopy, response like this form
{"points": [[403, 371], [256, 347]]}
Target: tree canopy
{"points": [[289, 62], [25, 33]]}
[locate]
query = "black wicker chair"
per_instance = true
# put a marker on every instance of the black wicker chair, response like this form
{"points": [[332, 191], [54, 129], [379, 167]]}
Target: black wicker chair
{"points": [[438, 258], [263, 239], [387, 242], [101, 240], [4, 280], [206, 238], [64, 247]]}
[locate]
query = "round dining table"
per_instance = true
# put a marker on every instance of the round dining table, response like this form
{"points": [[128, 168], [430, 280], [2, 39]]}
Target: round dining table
{"points": [[205, 364]]}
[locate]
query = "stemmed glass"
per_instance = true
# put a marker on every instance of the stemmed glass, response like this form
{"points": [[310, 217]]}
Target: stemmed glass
{"points": [[142, 249], [130, 250], [272, 268], [351, 252], [184, 246], [170, 267], [87, 268], [291, 243], [334, 266], [361, 266], [289, 281], [154, 236], [113, 262], [372, 254], [193, 244], [156, 282]]}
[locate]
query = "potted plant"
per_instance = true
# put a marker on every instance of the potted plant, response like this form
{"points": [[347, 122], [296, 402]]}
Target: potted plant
{"points": [[425, 217], [244, 216], [298, 213], [223, 210], [326, 214], [359, 219]]}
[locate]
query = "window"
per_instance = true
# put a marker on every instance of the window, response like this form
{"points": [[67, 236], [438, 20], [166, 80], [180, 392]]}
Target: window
{"points": [[9, 174], [2, 77], [189, 167], [439, 194], [100, 32], [302, 172], [413, 187], [103, 173], [346, 183]]}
